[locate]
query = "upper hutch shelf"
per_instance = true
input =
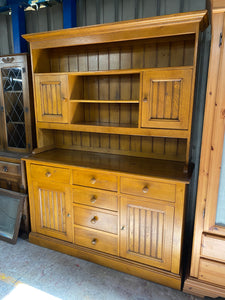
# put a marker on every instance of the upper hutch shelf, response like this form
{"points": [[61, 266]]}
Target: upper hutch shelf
{"points": [[133, 77]]}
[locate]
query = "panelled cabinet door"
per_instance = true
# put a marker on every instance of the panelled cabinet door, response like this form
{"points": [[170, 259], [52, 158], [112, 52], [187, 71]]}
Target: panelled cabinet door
{"points": [[146, 232], [166, 98], [53, 209], [52, 98]]}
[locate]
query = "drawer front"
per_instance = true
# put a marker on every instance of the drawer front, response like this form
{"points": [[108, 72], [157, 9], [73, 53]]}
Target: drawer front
{"points": [[10, 168], [95, 179], [213, 247], [96, 198], [11, 60], [97, 240], [47, 173], [212, 271], [96, 219], [148, 188]]}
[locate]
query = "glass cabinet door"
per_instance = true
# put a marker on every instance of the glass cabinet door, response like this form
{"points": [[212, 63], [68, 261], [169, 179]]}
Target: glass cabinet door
{"points": [[13, 103]]}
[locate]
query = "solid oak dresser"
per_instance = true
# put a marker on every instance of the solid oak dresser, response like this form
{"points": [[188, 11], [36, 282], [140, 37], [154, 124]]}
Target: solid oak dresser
{"points": [[113, 107]]}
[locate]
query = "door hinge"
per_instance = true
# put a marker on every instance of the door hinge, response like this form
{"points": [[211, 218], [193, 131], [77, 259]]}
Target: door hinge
{"points": [[221, 39], [203, 214]]}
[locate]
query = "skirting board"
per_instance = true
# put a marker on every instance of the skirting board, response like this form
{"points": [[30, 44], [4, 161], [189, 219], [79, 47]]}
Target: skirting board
{"points": [[199, 288], [107, 260]]}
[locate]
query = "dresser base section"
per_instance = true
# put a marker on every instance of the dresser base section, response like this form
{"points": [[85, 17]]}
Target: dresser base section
{"points": [[107, 260], [199, 288]]}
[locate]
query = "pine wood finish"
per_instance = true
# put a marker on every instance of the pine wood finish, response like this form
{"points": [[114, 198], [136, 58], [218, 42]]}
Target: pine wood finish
{"points": [[115, 101], [207, 265]]}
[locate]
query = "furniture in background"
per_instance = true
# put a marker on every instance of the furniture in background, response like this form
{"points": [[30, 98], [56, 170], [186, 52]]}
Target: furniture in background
{"points": [[113, 107], [17, 125], [207, 273]]}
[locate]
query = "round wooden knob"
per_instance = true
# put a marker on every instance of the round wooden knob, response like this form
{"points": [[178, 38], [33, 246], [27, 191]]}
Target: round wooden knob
{"points": [[94, 220], [145, 99], [93, 180], [5, 169], [68, 215], [94, 241], [123, 228], [145, 189], [93, 199], [48, 174]]}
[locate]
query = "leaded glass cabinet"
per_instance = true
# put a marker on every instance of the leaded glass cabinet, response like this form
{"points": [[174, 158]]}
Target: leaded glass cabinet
{"points": [[16, 122]]}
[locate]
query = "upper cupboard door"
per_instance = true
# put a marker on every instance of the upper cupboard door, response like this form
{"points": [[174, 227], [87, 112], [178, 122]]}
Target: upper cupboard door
{"points": [[167, 98], [52, 98]]}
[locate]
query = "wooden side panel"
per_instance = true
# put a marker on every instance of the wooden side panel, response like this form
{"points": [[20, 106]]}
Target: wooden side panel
{"points": [[146, 231]]}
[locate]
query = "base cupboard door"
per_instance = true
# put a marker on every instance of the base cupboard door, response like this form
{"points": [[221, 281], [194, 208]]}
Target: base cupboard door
{"points": [[146, 231], [53, 209]]}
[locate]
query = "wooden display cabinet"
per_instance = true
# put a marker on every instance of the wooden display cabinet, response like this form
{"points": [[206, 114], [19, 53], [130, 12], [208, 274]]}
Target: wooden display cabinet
{"points": [[17, 125], [113, 108]]}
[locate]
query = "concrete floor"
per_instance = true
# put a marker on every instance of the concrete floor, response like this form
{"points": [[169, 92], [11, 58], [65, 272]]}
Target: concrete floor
{"points": [[31, 272]]}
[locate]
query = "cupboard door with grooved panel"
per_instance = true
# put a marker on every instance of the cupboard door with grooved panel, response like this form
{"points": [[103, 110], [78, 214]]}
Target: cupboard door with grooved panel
{"points": [[146, 231], [52, 98], [166, 98], [53, 208]]}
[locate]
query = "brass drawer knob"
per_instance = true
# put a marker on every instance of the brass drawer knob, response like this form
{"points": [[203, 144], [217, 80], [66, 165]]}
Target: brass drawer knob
{"points": [[93, 199], [48, 174], [93, 180], [5, 169], [145, 189], [94, 241], [94, 220]]}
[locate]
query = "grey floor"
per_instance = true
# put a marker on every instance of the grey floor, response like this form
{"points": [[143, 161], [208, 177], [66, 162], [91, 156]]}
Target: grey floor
{"points": [[31, 272]]}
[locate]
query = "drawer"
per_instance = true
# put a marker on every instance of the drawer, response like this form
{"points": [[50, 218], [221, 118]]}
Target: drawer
{"points": [[97, 240], [96, 219], [148, 188], [95, 179], [10, 168], [211, 271], [11, 60], [213, 247], [60, 175], [96, 198]]}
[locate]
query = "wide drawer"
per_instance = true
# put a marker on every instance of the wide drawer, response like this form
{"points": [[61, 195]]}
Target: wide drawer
{"points": [[10, 168], [148, 188], [97, 240], [95, 198], [96, 219], [213, 247], [95, 179], [211, 271], [47, 173]]}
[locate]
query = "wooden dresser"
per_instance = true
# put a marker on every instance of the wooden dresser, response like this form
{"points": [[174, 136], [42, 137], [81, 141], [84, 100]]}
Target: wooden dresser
{"points": [[113, 108]]}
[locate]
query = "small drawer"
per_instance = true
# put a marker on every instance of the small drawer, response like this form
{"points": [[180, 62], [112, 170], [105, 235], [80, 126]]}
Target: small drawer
{"points": [[97, 240], [10, 168], [39, 172], [148, 188], [212, 271], [96, 219], [95, 198], [11, 60], [213, 247], [95, 179]]}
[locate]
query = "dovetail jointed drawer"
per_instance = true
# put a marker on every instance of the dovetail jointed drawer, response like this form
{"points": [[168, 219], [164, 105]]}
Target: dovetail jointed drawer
{"points": [[44, 173], [148, 188], [95, 179], [97, 240], [95, 198], [96, 219]]}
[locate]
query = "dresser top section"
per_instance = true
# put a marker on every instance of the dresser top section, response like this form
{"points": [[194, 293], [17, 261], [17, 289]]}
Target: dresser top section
{"points": [[160, 26]]}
